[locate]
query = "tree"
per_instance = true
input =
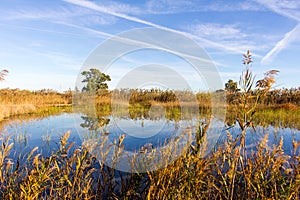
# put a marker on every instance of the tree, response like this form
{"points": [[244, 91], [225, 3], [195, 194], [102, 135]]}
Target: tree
{"points": [[96, 80], [231, 86]]}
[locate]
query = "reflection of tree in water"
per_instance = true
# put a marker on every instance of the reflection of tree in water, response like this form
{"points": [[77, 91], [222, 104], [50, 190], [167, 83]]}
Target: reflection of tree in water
{"points": [[137, 111], [94, 123]]}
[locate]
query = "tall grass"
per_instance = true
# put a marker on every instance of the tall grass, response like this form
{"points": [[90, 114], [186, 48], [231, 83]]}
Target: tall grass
{"points": [[72, 173], [15, 102], [267, 174], [227, 172]]}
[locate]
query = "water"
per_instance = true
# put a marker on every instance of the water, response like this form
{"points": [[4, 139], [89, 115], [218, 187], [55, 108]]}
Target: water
{"points": [[42, 133], [253, 137], [45, 133]]}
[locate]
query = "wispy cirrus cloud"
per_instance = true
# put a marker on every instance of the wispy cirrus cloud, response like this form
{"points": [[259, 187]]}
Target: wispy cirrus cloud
{"points": [[68, 14], [56, 32], [171, 7], [233, 35], [34, 13], [288, 39], [88, 30], [123, 7], [287, 8], [116, 13], [217, 31]]}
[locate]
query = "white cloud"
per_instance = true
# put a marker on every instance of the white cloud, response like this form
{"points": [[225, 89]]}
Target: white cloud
{"points": [[217, 31], [180, 6], [222, 6], [167, 6], [289, 38], [70, 14], [113, 12], [232, 35], [41, 13], [96, 20], [287, 8], [122, 7]]}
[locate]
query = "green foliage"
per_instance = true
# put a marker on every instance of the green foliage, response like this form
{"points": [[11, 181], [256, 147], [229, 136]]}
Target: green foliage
{"points": [[231, 86], [95, 81]]}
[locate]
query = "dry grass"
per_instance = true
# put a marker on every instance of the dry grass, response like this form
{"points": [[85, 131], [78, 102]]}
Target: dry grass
{"points": [[16, 102], [228, 172], [8, 110], [267, 173]]}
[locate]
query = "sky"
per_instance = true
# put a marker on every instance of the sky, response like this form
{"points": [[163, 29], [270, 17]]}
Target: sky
{"points": [[44, 44]]}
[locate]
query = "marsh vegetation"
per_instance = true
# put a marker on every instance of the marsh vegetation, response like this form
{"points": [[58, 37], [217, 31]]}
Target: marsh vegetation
{"points": [[256, 155]]}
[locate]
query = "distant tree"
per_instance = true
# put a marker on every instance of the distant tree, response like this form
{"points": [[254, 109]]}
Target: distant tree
{"points": [[3, 73], [95, 80], [220, 90], [231, 86]]}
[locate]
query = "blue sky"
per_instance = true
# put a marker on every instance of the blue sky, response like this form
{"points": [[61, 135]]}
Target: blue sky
{"points": [[45, 43]]}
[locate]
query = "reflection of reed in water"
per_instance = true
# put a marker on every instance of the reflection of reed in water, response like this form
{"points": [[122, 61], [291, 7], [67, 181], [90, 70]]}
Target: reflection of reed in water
{"points": [[46, 137], [146, 148], [21, 137]]}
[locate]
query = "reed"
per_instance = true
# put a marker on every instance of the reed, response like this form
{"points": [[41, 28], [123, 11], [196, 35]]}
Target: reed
{"points": [[16, 102], [227, 172], [72, 173]]}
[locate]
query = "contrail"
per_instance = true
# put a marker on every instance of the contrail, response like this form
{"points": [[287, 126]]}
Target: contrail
{"points": [[93, 6], [288, 37], [283, 43], [272, 5], [131, 41]]}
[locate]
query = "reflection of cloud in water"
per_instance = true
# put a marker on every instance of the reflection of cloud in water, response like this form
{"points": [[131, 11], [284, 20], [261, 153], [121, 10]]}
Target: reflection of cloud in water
{"points": [[143, 131]]}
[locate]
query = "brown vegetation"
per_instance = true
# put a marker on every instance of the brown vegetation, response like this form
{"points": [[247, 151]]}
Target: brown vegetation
{"points": [[16, 102], [268, 173], [228, 172]]}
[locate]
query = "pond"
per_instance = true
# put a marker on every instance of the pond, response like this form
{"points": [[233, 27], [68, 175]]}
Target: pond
{"points": [[140, 133]]}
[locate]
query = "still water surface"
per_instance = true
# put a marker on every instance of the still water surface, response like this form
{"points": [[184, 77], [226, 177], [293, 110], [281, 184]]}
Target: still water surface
{"points": [[45, 133]]}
